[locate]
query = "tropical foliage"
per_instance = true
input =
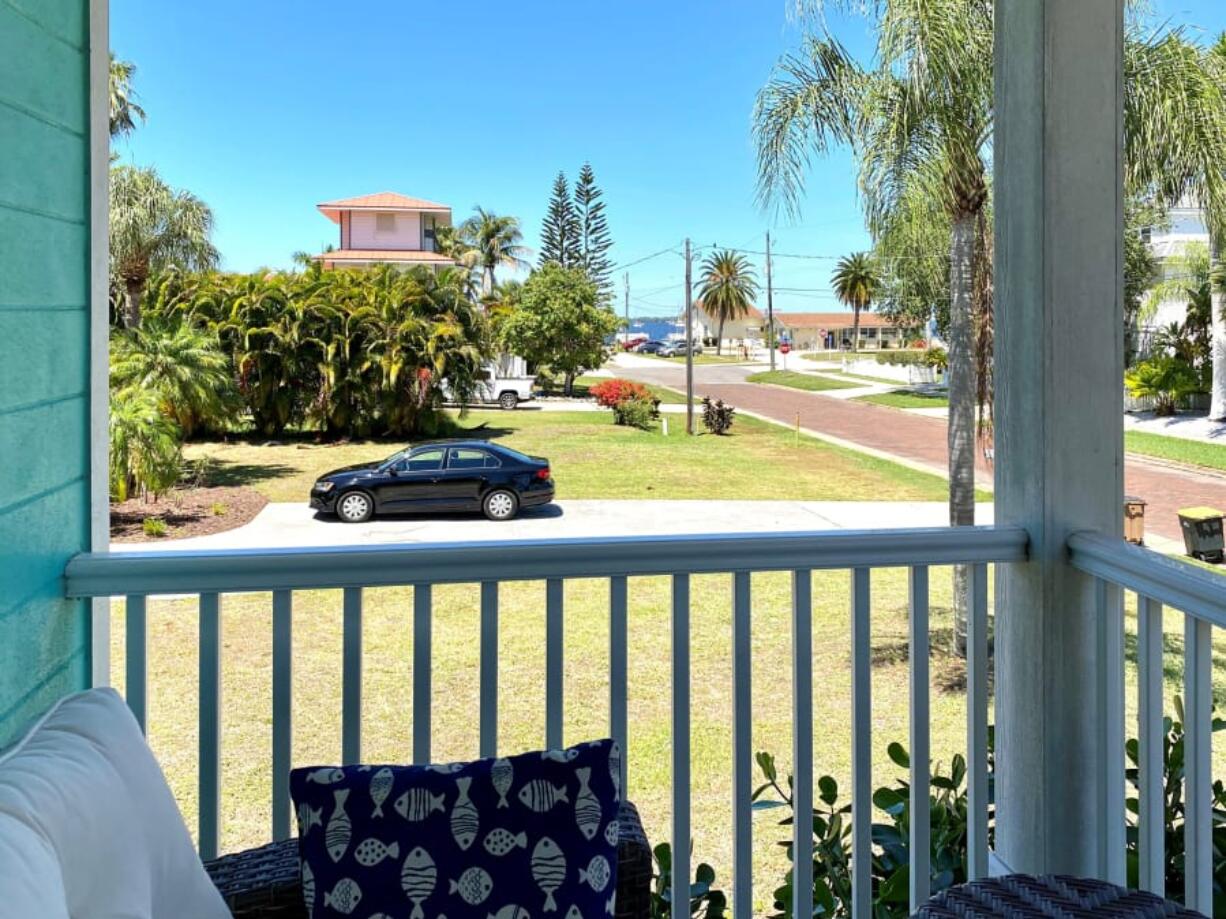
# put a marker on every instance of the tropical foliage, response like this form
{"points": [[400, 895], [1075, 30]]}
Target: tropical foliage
{"points": [[124, 109], [487, 241], [153, 227], [727, 288], [558, 323], [856, 282], [145, 446], [1165, 380]]}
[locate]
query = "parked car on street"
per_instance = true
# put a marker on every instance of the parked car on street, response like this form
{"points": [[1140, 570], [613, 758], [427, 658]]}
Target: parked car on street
{"points": [[677, 349], [447, 476], [651, 347], [498, 386]]}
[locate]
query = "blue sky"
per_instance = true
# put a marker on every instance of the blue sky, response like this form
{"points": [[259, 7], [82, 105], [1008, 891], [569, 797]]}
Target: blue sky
{"points": [[266, 108]]}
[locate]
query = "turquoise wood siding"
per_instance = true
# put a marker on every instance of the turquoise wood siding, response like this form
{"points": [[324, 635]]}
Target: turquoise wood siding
{"points": [[44, 351]]}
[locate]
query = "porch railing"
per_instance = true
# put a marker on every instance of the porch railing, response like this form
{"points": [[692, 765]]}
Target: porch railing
{"points": [[137, 576], [1158, 582]]}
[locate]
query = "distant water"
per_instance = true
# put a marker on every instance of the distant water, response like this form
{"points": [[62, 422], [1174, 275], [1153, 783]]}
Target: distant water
{"points": [[656, 328]]}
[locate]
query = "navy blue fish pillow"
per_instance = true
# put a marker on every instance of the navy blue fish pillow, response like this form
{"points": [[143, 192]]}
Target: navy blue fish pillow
{"points": [[526, 836]]}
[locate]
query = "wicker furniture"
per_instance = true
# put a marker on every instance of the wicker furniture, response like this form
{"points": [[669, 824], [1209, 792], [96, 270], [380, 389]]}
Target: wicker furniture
{"points": [[264, 883], [1021, 896]]}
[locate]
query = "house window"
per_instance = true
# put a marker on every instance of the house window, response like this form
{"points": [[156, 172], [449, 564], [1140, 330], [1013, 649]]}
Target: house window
{"points": [[427, 233], [385, 223]]}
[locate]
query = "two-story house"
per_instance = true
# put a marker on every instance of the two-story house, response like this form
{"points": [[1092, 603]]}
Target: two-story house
{"points": [[385, 228]]}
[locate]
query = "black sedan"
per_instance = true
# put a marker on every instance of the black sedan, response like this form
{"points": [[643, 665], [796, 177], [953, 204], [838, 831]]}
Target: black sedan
{"points": [[461, 475], [652, 347]]}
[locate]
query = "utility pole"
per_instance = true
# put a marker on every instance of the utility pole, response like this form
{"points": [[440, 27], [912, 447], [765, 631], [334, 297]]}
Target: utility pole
{"points": [[689, 345], [626, 278], [770, 303]]}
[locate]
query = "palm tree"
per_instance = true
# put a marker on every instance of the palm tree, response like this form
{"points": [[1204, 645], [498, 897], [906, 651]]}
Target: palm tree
{"points": [[124, 108], [495, 239], [182, 365], [856, 282], [154, 227], [728, 288], [919, 121]]}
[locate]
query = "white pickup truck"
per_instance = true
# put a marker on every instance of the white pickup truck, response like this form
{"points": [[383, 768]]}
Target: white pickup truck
{"points": [[505, 383]]}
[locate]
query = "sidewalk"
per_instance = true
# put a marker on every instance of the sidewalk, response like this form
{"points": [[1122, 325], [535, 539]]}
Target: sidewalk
{"points": [[921, 440]]}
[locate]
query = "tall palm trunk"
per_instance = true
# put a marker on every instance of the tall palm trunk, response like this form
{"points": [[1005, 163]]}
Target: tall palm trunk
{"points": [[1217, 404], [961, 378], [487, 281], [719, 341], [855, 328], [133, 290]]}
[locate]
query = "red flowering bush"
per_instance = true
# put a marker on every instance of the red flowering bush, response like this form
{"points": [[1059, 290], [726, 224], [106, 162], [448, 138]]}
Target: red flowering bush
{"points": [[612, 393]]}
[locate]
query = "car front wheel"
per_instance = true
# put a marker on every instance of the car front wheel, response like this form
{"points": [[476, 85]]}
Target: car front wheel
{"points": [[500, 505], [508, 400], [355, 507]]}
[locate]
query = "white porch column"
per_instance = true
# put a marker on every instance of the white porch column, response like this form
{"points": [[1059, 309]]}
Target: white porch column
{"points": [[1059, 428]]}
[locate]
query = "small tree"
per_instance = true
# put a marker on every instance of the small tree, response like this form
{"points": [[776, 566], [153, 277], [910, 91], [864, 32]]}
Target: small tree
{"points": [[560, 231], [557, 321], [856, 282], [727, 289], [145, 451], [594, 238]]}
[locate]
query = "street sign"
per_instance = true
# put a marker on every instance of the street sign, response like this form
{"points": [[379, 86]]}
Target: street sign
{"points": [[785, 348]]}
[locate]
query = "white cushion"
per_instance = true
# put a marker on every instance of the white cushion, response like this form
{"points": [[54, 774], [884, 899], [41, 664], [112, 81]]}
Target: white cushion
{"points": [[89, 828]]}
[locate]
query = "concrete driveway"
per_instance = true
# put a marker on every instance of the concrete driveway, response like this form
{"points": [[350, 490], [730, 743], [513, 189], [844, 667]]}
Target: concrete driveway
{"points": [[296, 525]]}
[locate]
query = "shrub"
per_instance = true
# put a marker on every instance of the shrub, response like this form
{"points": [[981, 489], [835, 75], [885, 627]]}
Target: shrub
{"points": [[937, 359], [611, 393], [635, 413], [219, 509], [716, 416], [904, 358], [145, 445], [154, 526], [706, 901], [1165, 380]]}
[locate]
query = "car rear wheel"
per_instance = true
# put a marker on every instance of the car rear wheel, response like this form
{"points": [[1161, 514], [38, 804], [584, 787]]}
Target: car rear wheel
{"points": [[355, 507], [508, 400], [500, 504]]}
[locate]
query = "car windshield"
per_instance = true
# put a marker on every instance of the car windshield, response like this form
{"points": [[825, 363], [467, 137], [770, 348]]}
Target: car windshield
{"points": [[397, 456]]}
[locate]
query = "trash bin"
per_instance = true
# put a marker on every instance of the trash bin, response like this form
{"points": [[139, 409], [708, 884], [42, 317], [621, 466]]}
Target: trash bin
{"points": [[1202, 532], [1134, 519]]}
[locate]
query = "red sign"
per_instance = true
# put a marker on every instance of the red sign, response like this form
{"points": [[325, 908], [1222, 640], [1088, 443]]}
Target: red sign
{"points": [[785, 348]]}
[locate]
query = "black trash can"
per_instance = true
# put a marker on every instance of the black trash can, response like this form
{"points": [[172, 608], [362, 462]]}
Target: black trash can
{"points": [[1202, 532]]}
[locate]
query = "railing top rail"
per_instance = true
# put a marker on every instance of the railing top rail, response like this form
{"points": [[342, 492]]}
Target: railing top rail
{"points": [[1173, 583], [106, 574]]}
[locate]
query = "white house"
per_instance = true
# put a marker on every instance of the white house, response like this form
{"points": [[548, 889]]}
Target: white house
{"points": [[385, 228], [1187, 227]]}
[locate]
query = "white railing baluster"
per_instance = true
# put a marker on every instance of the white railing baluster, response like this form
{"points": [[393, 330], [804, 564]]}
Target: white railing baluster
{"points": [[422, 629], [282, 709], [1111, 791], [618, 679], [681, 747], [553, 663], [136, 664], [861, 747], [921, 817], [489, 669], [977, 726], [209, 790], [742, 746], [802, 742], [1151, 735], [351, 677], [1198, 764]]}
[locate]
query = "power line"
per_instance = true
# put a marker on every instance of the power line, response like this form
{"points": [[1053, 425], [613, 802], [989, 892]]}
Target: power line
{"points": [[646, 258]]}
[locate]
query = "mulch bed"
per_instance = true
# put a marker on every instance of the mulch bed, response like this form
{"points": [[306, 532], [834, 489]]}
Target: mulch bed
{"points": [[187, 512]]}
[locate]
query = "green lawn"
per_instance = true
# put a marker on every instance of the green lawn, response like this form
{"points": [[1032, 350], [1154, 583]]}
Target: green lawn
{"points": [[796, 380], [1193, 452], [707, 357], [594, 458], [665, 395], [907, 399]]}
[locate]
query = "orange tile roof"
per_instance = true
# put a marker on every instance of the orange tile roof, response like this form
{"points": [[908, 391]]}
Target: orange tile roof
{"points": [[381, 201], [831, 320], [384, 255]]}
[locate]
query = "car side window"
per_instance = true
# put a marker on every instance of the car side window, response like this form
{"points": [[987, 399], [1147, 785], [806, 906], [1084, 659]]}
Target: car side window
{"points": [[468, 458], [426, 460]]}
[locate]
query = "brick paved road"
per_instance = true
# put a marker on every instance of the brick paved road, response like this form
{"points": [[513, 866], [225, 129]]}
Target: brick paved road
{"points": [[922, 439]]}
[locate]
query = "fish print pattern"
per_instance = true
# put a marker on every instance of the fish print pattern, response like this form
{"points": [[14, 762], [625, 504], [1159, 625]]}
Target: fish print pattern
{"points": [[596, 874], [308, 887], [371, 851], [498, 842], [380, 787], [560, 756], [574, 913], [417, 804], [327, 776], [611, 833], [446, 768], [610, 903], [344, 897], [502, 774], [474, 886], [587, 805], [464, 820], [417, 879], [308, 817], [510, 911], [541, 795], [548, 870], [340, 829]]}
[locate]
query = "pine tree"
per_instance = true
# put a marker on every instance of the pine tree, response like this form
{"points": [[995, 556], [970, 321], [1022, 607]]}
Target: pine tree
{"points": [[594, 238], [560, 232]]}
